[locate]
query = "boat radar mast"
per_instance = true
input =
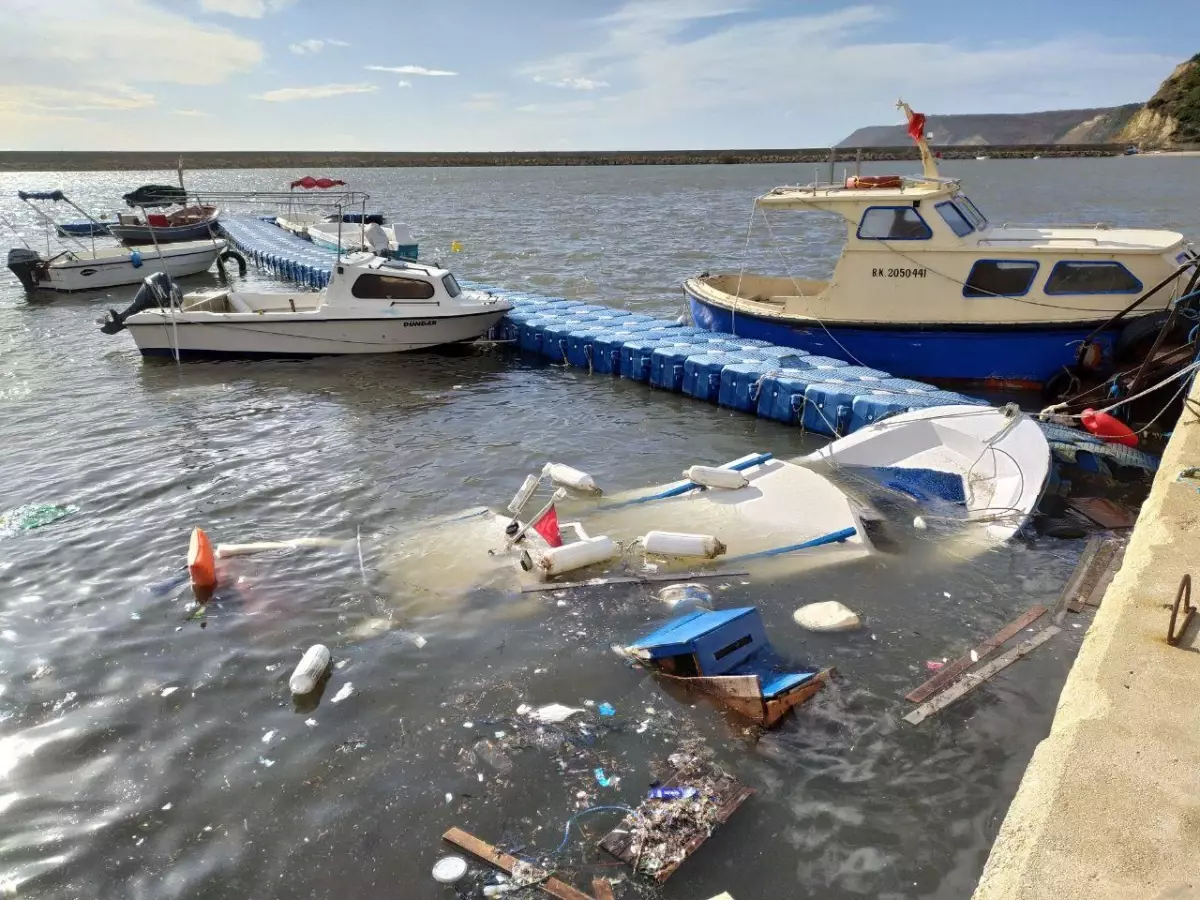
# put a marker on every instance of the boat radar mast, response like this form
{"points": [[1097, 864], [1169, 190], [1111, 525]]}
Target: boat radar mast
{"points": [[916, 130]]}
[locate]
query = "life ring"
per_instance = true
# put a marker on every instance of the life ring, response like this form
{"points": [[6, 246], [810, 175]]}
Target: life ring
{"points": [[867, 182]]}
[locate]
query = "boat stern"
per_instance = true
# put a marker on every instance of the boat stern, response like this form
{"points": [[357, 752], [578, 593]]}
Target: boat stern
{"points": [[25, 264]]}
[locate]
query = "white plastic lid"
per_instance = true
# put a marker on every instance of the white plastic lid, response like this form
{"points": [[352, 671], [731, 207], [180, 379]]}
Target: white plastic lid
{"points": [[449, 869]]}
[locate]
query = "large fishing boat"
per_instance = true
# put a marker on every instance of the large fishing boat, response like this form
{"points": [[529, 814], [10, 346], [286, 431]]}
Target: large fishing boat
{"points": [[928, 287]]}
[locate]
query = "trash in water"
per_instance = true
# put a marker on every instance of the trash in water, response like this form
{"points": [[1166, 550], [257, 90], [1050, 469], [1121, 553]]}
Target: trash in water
{"points": [[468, 724], [350, 746], [492, 755], [671, 793], [605, 780], [31, 516], [346, 690], [554, 713], [449, 869], [606, 709], [827, 616], [167, 692], [685, 597], [311, 723], [201, 565], [266, 762], [933, 665], [309, 671], [657, 837], [266, 738]]}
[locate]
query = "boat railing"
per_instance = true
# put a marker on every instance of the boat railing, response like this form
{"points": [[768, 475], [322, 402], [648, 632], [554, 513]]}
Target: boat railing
{"points": [[1042, 226], [906, 181], [1039, 239]]}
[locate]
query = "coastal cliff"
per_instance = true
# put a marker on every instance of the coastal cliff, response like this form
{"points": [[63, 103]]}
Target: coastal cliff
{"points": [[1172, 116]]}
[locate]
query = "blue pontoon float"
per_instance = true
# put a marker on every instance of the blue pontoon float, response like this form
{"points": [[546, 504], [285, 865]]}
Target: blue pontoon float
{"points": [[726, 655]]}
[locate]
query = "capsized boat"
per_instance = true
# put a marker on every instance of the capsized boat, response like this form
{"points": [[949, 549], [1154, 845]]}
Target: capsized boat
{"points": [[726, 655], [927, 287], [992, 463], [188, 223], [372, 305]]}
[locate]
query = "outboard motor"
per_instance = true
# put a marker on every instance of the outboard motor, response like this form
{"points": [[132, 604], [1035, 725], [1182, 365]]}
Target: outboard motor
{"points": [[24, 263], [158, 291], [376, 238]]}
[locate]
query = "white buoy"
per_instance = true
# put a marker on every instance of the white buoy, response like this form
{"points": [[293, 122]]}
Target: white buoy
{"points": [[313, 664], [674, 543], [571, 478], [827, 616], [557, 560], [224, 551], [523, 495], [712, 477], [449, 869]]}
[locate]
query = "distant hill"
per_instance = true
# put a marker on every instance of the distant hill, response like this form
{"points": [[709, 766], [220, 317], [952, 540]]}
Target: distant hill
{"points": [[1172, 116], [1060, 126]]}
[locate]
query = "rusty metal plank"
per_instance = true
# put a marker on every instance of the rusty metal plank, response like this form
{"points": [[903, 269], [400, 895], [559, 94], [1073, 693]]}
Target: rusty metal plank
{"points": [[1103, 512], [951, 672], [490, 855], [602, 889], [983, 674]]}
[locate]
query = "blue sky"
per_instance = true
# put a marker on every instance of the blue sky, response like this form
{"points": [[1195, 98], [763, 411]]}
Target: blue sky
{"points": [[540, 74]]}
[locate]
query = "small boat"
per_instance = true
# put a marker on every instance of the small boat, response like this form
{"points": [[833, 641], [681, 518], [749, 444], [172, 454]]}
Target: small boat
{"points": [[992, 462], [927, 287], [981, 158], [86, 228], [189, 223], [106, 267], [726, 655], [394, 241], [372, 305]]}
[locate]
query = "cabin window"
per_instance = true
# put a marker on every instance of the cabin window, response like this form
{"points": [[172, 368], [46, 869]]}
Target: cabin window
{"points": [[1000, 278], [955, 219], [731, 648], [893, 223], [1091, 278], [971, 211], [451, 285], [389, 287]]}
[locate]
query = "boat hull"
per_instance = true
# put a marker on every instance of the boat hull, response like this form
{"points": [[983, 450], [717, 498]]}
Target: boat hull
{"points": [[138, 235], [1014, 355], [325, 242], [742, 694], [92, 275], [248, 336]]}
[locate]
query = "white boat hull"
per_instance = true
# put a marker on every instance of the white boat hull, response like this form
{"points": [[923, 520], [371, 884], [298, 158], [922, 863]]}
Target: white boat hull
{"points": [[244, 335], [98, 274]]}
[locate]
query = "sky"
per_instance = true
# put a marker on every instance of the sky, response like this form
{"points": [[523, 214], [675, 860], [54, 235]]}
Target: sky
{"points": [[427, 75]]}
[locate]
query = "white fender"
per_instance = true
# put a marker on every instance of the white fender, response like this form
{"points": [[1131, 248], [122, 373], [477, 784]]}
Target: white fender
{"points": [[571, 478], [712, 477], [674, 543], [557, 560]]}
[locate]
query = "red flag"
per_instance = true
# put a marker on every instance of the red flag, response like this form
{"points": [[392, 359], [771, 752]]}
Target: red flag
{"points": [[916, 126], [547, 526]]}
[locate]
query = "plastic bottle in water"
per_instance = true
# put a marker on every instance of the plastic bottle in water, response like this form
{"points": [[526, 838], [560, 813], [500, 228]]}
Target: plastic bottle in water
{"points": [[308, 672], [672, 793]]}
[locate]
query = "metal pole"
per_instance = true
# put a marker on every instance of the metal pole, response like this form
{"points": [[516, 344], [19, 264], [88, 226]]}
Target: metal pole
{"points": [[170, 304], [832, 163], [858, 162], [558, 496]]}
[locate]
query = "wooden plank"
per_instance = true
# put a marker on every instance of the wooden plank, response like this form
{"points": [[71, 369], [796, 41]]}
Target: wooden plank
{"points": [[1096, 567], [1103, 512], [602, 889], [493, 857], [984, 673], [950, 672], [629, 579]]}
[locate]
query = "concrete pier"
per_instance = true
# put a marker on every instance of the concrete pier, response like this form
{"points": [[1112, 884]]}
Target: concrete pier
{"points": [[1109, 808]]}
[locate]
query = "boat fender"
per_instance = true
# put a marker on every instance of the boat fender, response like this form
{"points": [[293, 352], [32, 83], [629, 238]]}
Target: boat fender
{"points": [[522, 496], [201, 562], [553, 561], [1111, 429], [309, 671], [674, 543], [136, 258], [236, 257], [571, 478], [712, 477]]}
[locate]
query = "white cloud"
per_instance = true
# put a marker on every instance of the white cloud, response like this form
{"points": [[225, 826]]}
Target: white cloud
{"points": [[313, 45], [245, 9], [409, 70], [578, 84], [316, 92], [195, 113], [36, 99], [403, 84], [69, 41], [486, 101]]}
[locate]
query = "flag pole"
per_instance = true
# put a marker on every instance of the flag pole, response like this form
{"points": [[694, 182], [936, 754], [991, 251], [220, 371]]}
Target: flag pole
{"points": [[558, 495]]}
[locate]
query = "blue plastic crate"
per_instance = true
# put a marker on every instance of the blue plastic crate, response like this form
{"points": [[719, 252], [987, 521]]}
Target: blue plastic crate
{"points": [[781, 393], [666, 365], [828, 407], [702, 375], [740, 385]]}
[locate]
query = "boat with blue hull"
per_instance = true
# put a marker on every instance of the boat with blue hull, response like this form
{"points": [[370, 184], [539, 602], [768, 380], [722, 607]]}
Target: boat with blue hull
{"points": [[927, 287]]}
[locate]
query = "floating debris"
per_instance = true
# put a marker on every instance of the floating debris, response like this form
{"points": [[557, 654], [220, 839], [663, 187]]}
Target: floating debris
{"points": [[31, 516], [167, 692], [827, 616], [553, 714], [266, 738], [313, 666], [346, 690]]}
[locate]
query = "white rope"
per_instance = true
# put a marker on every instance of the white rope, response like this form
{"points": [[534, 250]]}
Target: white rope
{"points": [[1054, 409], [737, 293]]}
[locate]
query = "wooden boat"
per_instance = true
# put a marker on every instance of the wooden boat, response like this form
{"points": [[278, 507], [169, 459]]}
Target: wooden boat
{"points": [[927, 287], [372, 305], [726, 655], [187, 224]]}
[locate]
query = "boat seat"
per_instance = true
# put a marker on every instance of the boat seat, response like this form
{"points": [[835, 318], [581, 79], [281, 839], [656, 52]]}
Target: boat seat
{"points": [[787, 681], [158, 220]]}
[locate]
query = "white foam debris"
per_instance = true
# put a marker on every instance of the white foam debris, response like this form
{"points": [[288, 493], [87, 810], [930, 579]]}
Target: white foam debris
{"points": [[266, 738], [167, 692], [346, 691]]}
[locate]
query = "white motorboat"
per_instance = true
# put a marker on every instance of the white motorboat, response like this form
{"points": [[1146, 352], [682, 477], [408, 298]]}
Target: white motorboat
{"points": [[992, 462], [105, 267], [395, 241], [372, 305]]}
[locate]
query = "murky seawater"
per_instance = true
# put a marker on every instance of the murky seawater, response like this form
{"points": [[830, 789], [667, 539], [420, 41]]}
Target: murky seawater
{"points": [[147, 754]]}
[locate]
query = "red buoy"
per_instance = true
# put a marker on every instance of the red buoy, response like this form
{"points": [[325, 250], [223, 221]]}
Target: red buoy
{"points": [[1105, 426]]}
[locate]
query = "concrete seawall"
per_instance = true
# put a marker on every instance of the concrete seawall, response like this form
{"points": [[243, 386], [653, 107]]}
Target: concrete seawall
{"points": [[1109, 808]]}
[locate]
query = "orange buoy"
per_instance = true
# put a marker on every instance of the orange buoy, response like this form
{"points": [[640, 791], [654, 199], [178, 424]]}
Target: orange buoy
{"points": [[201, 563], [1105, 426]]}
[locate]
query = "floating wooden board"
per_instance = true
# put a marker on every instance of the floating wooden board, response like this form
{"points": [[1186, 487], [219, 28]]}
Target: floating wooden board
{"points": [[728, 794], [951, 672], [1099, 562], [978, 677], [629, 579], [490, 855], [1103, 512], [602, 889]]}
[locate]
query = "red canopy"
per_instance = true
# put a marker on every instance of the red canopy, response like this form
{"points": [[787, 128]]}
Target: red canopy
{"points": [[916, 126], [309, 182]]}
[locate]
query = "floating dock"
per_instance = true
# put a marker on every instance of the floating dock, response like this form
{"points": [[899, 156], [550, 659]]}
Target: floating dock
{"points": [[821, 394]]}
